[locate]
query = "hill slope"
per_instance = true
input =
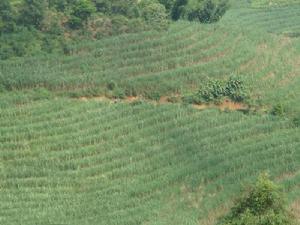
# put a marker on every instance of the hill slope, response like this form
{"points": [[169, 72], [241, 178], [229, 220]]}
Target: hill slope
{"points": [[72, 151], [173, 63], [70, 162]]}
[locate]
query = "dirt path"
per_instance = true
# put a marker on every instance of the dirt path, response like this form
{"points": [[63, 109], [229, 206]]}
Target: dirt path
{"points": [[225, 105]]}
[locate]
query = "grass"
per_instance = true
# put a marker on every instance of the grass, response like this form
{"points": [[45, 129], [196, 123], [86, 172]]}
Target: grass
{"points": [[68, 161], [159, 64], [280, 20], [272, 3]]}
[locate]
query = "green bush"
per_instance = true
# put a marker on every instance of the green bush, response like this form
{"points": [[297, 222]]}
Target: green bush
{"points": [[262, 205], [235, 89], [215, 90]]}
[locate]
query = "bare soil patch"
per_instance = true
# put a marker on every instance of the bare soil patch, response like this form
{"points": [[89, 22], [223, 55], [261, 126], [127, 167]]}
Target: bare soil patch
{"points": [[225, 105], [287, 176]]}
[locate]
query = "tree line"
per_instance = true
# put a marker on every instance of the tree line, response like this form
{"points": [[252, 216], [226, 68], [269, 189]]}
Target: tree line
{"points": [[30, 27]]}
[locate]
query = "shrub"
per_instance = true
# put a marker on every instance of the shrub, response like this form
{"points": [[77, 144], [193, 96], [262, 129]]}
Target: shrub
{"points": [[215, 90], [262, 205], [235, 89]]}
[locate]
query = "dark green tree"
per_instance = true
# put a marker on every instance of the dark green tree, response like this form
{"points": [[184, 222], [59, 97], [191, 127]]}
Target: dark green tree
{"points": [[7, 19], [59, 5], [178, 8], [81, 11], [168, 4], [103, 6], [33, 13], [205, 11], [126, 8]]}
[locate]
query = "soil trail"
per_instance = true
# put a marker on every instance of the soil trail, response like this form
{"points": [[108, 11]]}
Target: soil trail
{"points": [[225, 105]]}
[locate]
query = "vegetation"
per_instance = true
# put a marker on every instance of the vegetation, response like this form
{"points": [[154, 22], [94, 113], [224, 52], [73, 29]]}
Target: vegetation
{"points": [[279, 20], [37, 26], [206, 11], [263, 205], [215, 90], [273, 3], [94, 127], [84, 161]]}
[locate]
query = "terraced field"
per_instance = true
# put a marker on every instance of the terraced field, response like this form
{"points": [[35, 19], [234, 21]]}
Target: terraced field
{"points": [[272, 3], [71, 152], [74, 162], [285, 19], [159, 64]]}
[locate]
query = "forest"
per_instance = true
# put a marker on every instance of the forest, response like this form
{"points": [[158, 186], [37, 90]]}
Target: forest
{"points": [[31, 27]]}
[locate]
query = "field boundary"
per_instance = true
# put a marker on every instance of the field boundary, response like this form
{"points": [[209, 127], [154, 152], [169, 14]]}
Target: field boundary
{"points": [[223, 106]]}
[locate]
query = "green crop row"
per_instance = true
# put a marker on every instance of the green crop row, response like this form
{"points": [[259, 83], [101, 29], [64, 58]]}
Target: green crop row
{"points": [[66, 158]]}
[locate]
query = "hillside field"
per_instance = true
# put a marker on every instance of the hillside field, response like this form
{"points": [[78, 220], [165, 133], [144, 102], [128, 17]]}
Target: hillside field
{"points": [[104, 136]]}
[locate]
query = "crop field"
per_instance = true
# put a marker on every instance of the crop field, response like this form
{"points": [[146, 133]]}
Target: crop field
{"points": [[74, 162], [175, 62], [272, 3], [283, 20], [93, 137]]}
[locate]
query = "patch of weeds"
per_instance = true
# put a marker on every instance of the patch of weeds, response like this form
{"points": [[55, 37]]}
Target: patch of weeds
{"points": [[118, 93], [41, 94], [130, 91], [293, 34], [98, 53], [153, 96], [296, 121], [278, 110], [137, 102], [92, 92], [2, 88], [174, 99], [111, 85]]}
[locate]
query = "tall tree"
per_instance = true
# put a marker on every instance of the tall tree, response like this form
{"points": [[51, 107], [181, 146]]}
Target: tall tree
{"points": [[7, 20], [33, 13]]}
